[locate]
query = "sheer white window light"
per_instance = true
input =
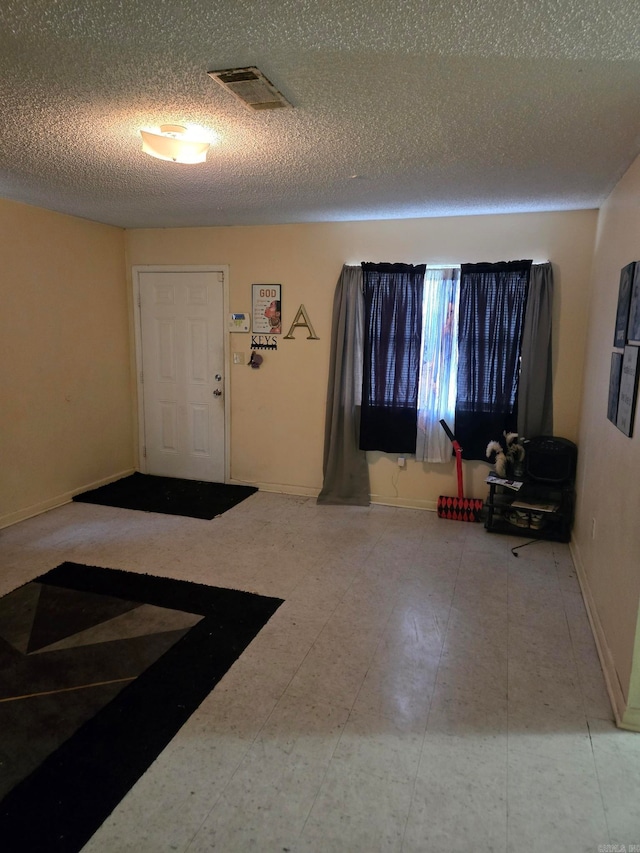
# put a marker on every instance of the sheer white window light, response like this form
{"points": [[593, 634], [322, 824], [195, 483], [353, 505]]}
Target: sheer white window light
{"points": [[438, 374]]}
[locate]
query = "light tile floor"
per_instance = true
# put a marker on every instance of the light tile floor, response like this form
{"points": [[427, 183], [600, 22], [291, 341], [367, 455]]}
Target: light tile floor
{"points": [[420, 689]]}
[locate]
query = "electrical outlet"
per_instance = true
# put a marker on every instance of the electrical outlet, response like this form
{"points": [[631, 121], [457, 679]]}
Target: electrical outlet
{"points": [[401, 461]]}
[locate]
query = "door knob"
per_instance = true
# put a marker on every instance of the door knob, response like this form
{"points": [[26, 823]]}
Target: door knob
{"points": [[217, 392], [218, 377]]}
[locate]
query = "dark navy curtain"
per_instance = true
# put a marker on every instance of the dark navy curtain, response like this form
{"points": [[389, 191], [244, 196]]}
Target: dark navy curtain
{"points": [[493, 300], [392, 355]]}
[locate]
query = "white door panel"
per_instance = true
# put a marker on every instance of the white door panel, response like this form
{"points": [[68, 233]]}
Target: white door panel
{"points": [[182, 352]]}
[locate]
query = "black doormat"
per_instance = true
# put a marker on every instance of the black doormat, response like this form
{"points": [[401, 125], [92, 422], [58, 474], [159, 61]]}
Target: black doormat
{"points": [[100, 669], [149, 493]]}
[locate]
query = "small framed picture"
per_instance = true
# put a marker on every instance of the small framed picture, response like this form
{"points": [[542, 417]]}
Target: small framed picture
{"points": [[628, 390], [266, 309], [614, 386], [633, 331], [624, 300]]}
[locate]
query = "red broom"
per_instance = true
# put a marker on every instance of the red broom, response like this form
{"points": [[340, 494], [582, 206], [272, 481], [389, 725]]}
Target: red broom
{"points": [[460, 508]]}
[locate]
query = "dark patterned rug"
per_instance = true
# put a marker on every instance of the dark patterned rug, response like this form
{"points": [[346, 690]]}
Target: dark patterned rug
{"points": [[146, 492], [98, 671]]}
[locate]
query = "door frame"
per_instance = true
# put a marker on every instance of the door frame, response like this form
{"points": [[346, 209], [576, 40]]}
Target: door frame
{"points": [[136, 270]]}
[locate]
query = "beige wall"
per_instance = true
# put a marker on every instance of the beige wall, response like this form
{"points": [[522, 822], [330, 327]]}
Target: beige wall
{"points": [[609, 467], [67, 418], [67, 414], [65, 385], [277, 412]]}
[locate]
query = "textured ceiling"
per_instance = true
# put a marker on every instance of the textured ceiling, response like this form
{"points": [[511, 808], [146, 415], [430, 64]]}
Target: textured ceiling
{"points": [[403, 108]]}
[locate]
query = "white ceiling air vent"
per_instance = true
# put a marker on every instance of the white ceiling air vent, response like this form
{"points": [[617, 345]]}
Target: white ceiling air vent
{"points": [[250, 86]]}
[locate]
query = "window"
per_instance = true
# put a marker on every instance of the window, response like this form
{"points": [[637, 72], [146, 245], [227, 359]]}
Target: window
{"points": [[439, 365], [441, 343], [393, 296], [493, 299], [346, 475]]}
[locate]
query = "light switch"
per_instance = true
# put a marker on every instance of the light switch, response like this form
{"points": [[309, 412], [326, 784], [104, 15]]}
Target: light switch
{"points": [[238, 358]]}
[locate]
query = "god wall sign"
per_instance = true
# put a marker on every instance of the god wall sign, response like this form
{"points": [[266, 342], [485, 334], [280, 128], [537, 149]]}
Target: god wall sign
{"points": [[266, 309]]}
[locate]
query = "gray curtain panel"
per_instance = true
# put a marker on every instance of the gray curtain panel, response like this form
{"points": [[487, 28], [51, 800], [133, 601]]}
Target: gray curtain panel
{"points": [[346, 474], [535, 393]]}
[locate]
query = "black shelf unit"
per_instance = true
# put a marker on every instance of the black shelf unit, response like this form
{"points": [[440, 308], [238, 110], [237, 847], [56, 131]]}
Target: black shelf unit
{"points": [[503, 517]]}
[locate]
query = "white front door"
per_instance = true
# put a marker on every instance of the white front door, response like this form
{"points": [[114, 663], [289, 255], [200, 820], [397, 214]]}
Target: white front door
{"points": [[181, 349]]}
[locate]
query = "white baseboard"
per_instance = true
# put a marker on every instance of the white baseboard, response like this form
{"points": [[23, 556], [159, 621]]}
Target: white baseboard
{"points": [[67, 497], [405, 503], [626, 717], [303, 491], [280, 488], [631, 719], [58, 500]]}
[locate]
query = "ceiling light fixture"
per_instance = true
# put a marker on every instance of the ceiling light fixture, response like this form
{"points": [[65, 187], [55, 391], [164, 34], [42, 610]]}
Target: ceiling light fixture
{"points": [[176, 143]]}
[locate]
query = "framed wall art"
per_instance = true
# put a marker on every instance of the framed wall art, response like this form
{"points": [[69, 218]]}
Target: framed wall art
{"points": [[614, 386], [628, 390], [633, 330], [266, 309], [624, 300]]}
